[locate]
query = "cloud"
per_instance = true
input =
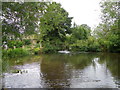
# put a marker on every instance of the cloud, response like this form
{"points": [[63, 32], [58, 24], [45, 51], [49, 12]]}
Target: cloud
{"points": [[83, 11]]}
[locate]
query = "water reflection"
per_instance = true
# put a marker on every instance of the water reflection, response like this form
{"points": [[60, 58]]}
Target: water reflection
{"points": [[93, 76], [55, 71], [88, 70]]}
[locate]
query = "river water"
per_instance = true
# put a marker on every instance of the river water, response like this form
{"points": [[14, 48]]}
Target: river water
{"points": [[83, 70]]}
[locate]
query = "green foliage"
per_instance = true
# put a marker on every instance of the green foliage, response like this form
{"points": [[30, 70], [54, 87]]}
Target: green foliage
{"points": [[78, 38], [81, 32], [79, 45], [93, 45], [21, 18], [114, 43], [27, 41], [108, 32], [36, 50], [19, 44], [48, 48], [15, 43], [11, 44], [81, 39], [11, 53], [88, 45], [54, 26]]}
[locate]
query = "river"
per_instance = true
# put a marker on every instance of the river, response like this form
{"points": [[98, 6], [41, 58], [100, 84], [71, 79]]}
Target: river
{"points": [[83, 70]]}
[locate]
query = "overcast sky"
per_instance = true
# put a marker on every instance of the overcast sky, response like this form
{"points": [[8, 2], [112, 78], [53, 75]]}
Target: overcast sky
{"points": [[83, 11]]}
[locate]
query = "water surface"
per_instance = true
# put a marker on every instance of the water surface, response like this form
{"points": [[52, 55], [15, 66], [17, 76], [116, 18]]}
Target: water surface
{"points": [[84, 70]]}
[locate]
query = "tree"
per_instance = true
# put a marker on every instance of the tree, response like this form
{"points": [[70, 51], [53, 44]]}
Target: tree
{"points": [[81, 32], [78, 40], [108, 32], [21, 18], [54, 25]]}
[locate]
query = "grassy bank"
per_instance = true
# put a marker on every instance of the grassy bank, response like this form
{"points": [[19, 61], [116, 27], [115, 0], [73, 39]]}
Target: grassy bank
{"points": [[11, 53]]}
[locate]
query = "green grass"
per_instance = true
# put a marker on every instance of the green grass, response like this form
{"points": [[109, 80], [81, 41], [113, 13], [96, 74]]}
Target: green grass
{"points": [[11, 53]]}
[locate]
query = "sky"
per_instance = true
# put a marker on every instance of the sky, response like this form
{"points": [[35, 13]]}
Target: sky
{"points": [[83, 11]]}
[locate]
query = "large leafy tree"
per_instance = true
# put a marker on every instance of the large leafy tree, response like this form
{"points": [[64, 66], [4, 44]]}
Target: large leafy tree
{"points": [[78, 38], [54, 25], [81, 32], [21, 18], [108, 31]]}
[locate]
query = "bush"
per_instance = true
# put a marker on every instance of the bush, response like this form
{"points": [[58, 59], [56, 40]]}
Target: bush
{"points": [[88, 45], [11, 44], [19, 44], [37, 45], [95, 47], [79, 45], [27, 42], [36, 50], [50, 48], [18, 52], [16, 43]]}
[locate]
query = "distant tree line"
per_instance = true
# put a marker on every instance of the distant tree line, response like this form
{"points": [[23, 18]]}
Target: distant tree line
{"points": [[52, 24]]}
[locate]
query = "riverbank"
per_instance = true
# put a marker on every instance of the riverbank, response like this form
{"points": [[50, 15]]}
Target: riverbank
{"points": [[21, 52]]}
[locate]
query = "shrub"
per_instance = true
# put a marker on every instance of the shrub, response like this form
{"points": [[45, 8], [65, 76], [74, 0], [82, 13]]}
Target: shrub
{"points": [[19, 44], [16, 43], [50, 48], [79, 45], [18, 52], [95, 47], [36, 50], [11, 44], [37, 45], [86, 45], [27, 42]]}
